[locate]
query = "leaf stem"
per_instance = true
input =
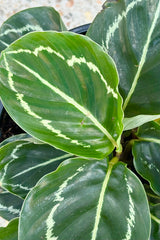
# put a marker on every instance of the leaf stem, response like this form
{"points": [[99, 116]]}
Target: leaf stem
{"points": [[157, 220]]}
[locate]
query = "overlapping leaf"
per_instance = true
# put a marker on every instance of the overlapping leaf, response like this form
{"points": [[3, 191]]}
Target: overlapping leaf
{"points": [[86, 199], [129, 31], [146, 154], [22, 136], [62, 89], [28, 20], [11, 231], [10, 205], [155, 216], [24, 162]]}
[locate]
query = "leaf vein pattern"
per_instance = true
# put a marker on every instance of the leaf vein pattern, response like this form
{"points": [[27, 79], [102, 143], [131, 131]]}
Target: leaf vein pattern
{"points": [[50, 222], [92, 67], [46, 123], [101, 199], [13, 157], [60, 93], [143, 57], [17, 186], [43, 164], [131, 218], [71, 101], [4, 43], [10, 209], [115, 25], [28, 27]]}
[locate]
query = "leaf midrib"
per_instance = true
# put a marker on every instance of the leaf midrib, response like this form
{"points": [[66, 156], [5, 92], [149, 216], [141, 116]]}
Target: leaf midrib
{"points": [[143, 58], [70, 100], [101, 198]]}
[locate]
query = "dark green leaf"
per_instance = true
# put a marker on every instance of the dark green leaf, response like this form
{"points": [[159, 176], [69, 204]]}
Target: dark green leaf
{"points": [[155, 216], [10, 205], [129, 31], [152, 197], [15, 138], [86, 199], [28, 20], [24, 162], [67, 86], [10, 232], [146, 154]]}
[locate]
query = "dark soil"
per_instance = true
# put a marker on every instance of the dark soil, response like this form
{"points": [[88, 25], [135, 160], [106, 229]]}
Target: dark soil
{"points": [[8, 127]]}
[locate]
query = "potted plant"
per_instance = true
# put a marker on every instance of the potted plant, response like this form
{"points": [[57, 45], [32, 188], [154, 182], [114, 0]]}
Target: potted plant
{"points": [[88, 165]]}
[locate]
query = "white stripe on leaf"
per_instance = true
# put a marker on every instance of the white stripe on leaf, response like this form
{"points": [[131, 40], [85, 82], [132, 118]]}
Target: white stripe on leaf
{"points": [[43, 164], [131, 218], [13, 157], [115, 25], [17, 186], [10, 209], [4, 43], [26, 107], [37, 51], [92, 67], [101, 198], [50, 222], [143, 57], [28, 27], [70, 100]]}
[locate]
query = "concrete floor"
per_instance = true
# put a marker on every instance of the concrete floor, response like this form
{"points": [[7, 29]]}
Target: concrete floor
{"points": [[73, 12]]}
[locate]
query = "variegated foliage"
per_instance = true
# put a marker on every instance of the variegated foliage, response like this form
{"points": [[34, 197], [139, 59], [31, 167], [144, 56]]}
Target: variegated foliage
{"points": [[29, 20], [146, 152], [86, 199], [128, 30], [51, 79], [63, 90], [10, 205], [23, 161]]}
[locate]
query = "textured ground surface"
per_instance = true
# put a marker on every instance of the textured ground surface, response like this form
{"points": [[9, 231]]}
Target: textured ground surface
{"points": [[73, 12]]}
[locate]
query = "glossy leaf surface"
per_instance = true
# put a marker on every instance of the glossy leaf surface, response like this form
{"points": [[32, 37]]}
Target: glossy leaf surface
{"points": [[67, 86], [10, 205], [129, 31], [155, 216], [154, 203], [146, 154], [23, 163], [22, 136], [11, 231], [28, 20], [86, 199]]}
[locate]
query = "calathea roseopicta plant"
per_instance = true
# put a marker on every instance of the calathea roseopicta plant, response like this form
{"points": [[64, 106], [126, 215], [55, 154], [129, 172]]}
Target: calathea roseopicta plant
{"points": [[90, 105]]}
